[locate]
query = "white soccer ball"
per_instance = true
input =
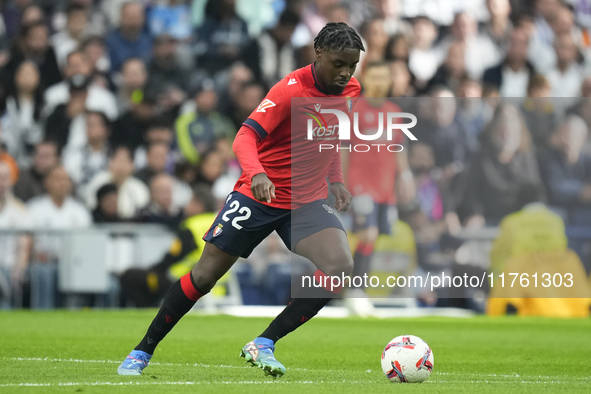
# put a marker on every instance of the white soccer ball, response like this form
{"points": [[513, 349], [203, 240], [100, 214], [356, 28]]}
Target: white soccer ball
{"points": [[407, 359]]}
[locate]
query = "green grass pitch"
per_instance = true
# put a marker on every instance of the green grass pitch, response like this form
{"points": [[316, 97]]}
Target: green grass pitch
{"points": [[78, 352]]}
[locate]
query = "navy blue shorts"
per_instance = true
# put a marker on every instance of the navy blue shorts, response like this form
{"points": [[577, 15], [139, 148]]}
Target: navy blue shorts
{"points": [[243, 223], [368, 213]]}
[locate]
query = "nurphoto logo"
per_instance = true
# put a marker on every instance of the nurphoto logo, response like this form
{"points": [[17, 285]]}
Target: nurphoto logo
{"points": [[319, 130]]}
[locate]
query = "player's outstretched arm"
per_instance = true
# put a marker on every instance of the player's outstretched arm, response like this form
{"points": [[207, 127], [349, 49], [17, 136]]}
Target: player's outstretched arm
{"points": [[245, 148], [342, 195]]}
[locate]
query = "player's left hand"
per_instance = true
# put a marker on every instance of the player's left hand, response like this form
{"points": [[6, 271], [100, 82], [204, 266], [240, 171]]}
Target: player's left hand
{"points": [[342, 195]]}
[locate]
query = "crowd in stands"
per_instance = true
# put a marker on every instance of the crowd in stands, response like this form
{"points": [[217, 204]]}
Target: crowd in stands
{"points": [[113, 110]]}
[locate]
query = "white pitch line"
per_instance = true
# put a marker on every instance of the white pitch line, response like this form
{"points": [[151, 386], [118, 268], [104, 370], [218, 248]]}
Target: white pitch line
{"points": [[226, 382], [74, 360], [547, 379]]}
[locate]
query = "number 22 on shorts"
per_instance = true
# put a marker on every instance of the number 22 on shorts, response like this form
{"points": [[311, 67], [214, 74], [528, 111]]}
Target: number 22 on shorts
{"points": [[244, 211]]}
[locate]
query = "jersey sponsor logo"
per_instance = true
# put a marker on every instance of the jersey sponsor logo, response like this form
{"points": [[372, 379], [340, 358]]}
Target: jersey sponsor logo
{"points": [[265, 105], [217, 230], [349, 103], [292, 81], [317, 107]]}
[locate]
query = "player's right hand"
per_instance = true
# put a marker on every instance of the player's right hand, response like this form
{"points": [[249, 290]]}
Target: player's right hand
{"points": [[262, 188]]}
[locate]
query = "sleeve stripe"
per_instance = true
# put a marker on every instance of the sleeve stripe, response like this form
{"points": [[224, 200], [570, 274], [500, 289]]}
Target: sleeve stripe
{"points": [[253, 124]]}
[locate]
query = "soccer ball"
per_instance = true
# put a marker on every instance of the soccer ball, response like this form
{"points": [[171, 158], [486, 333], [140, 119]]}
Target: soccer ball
{"points": [[407, 359]]}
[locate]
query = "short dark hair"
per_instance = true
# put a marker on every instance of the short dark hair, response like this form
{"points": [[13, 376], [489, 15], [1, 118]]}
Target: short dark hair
{"points": [[102, 115], [91, 40], [288, 18], [117, 148], [337, 36], [74, 7]]}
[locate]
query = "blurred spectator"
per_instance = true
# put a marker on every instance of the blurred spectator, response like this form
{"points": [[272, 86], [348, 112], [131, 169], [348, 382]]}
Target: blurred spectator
{"points": [[401, 80], [112, 9], [145, 287], [33, 44], [394, 24], [133, 194], [423, 57], [512, 75], [134, 76], [199, 131], [538, 111], [168, 81], [71, 37], [222, 38], [499, 27], [211, 167], [156, 160], [96, 51], [31, 182], [451, 143], [158, 132], [15, 248], [422, 164], [78, 82], [249, 96], [453, 69], [12, 12], [21, 121], [33, 14], [106, 208], [130, 39], [84, 162], [566, 169], [566, 78], [172, 17], [583, 107], [161, 209], [270, 56], [97, 23], [398, 48], [504, 163], [239, 75], [7, 159], [473, 113], [479, 52], [54, 210], [545, 10], [374, 34]]}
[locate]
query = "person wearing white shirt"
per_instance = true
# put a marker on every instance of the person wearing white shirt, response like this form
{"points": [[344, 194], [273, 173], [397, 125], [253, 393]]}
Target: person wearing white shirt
{"points": [[54, 210], [133, 194], [78, 67], [68, 39], [83, 163], [480, 52], [15, 248], [423, 57], [566, 78], [511, 77]]}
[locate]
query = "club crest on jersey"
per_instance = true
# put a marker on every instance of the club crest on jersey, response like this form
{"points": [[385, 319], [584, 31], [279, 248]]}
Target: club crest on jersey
{"points": [[265, 105], [349, 103], [217, 230]]}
